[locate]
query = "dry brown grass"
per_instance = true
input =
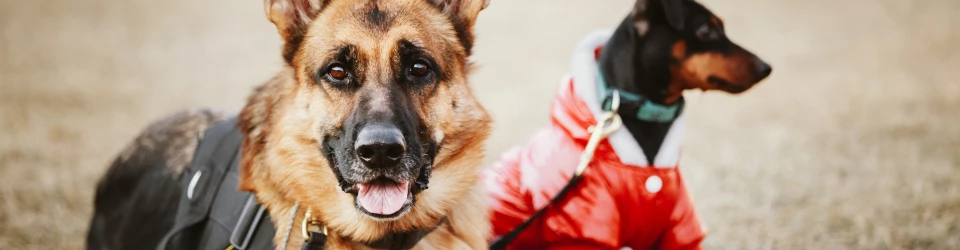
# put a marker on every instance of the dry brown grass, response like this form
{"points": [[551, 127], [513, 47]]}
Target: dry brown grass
{"points": [[853, 143]]}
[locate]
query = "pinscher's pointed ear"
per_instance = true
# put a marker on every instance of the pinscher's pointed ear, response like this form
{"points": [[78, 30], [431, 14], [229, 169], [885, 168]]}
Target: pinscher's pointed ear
{"points": [[292, 18], [674, 11], [671, 10], [463, 14]]}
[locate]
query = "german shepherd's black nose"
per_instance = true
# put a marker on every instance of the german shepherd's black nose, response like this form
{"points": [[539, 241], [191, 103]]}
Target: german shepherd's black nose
{"points": [[380, 146]]}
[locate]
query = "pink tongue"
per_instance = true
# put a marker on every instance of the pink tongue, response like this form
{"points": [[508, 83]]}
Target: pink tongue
{"points": [[383, 198]]}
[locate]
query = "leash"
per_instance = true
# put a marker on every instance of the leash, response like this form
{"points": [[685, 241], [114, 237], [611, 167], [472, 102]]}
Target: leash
{"points": [[293, 216], [608, 123]]}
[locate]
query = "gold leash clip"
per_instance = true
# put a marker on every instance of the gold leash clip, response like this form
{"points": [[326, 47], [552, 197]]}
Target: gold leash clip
{"points": [[307, 222], [608, 123]]}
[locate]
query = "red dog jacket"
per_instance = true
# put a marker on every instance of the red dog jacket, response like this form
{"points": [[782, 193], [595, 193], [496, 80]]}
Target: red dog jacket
{"points": [[624, 200]]}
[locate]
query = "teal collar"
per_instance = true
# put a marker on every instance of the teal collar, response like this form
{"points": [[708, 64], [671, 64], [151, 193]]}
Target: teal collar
{"points": [[648, 111]]}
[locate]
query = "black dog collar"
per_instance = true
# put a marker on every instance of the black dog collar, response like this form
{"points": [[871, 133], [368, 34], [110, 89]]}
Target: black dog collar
{"points": [[402, 240]]}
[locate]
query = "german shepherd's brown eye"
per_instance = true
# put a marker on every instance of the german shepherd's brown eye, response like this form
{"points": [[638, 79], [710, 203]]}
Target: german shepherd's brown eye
{"points": [[419, 69], [337, 72]]}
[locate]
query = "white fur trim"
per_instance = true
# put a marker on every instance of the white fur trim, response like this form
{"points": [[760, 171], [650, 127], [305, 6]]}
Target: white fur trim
{"points": [[584, 70], [669, 154]]}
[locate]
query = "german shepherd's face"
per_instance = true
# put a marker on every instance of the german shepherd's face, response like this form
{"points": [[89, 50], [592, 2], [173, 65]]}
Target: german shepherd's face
{"points": [[383, 72], [692, 39], [377, 101]]}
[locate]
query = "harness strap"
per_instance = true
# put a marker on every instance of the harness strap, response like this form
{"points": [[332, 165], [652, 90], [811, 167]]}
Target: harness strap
{"points": [[207, 171], [212, 214], [247, 223]]}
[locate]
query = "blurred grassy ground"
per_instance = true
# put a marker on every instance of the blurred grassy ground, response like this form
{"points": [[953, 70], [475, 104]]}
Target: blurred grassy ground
{"points": [[853, 143]]}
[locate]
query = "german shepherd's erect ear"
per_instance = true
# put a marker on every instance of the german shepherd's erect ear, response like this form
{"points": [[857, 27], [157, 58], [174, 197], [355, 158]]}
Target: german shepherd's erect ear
{"points": [[293, 17], [463, 14]]}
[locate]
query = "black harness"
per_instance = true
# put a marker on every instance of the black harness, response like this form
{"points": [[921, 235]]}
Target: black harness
{"points": [[213, 214]]}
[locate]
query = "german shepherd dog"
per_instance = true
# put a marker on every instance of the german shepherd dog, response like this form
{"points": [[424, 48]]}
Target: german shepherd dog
{"points": [[632, 194], [372, 106]]}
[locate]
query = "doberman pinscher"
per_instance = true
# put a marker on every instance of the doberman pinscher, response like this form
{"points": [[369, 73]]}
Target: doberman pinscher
{"points": [[625, 189], [666, 47]]}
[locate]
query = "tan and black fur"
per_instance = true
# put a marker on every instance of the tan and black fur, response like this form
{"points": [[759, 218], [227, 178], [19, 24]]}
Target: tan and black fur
{"points": [[350, 63]]}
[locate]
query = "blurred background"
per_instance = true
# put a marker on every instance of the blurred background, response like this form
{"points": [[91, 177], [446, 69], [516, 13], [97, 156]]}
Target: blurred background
{"points": [[852, 143]]}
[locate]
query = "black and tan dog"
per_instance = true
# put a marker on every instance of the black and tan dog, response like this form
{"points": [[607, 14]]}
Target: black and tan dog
{"points": [[631, 193], [372, 106], [666, 47]]}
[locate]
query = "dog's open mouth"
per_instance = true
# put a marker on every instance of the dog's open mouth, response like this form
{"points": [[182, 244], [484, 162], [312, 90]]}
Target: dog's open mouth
{"points": [[384, 198]]}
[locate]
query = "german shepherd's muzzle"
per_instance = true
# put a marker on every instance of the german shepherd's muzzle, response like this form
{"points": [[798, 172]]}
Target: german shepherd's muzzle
{"points": [[383, 156]]}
